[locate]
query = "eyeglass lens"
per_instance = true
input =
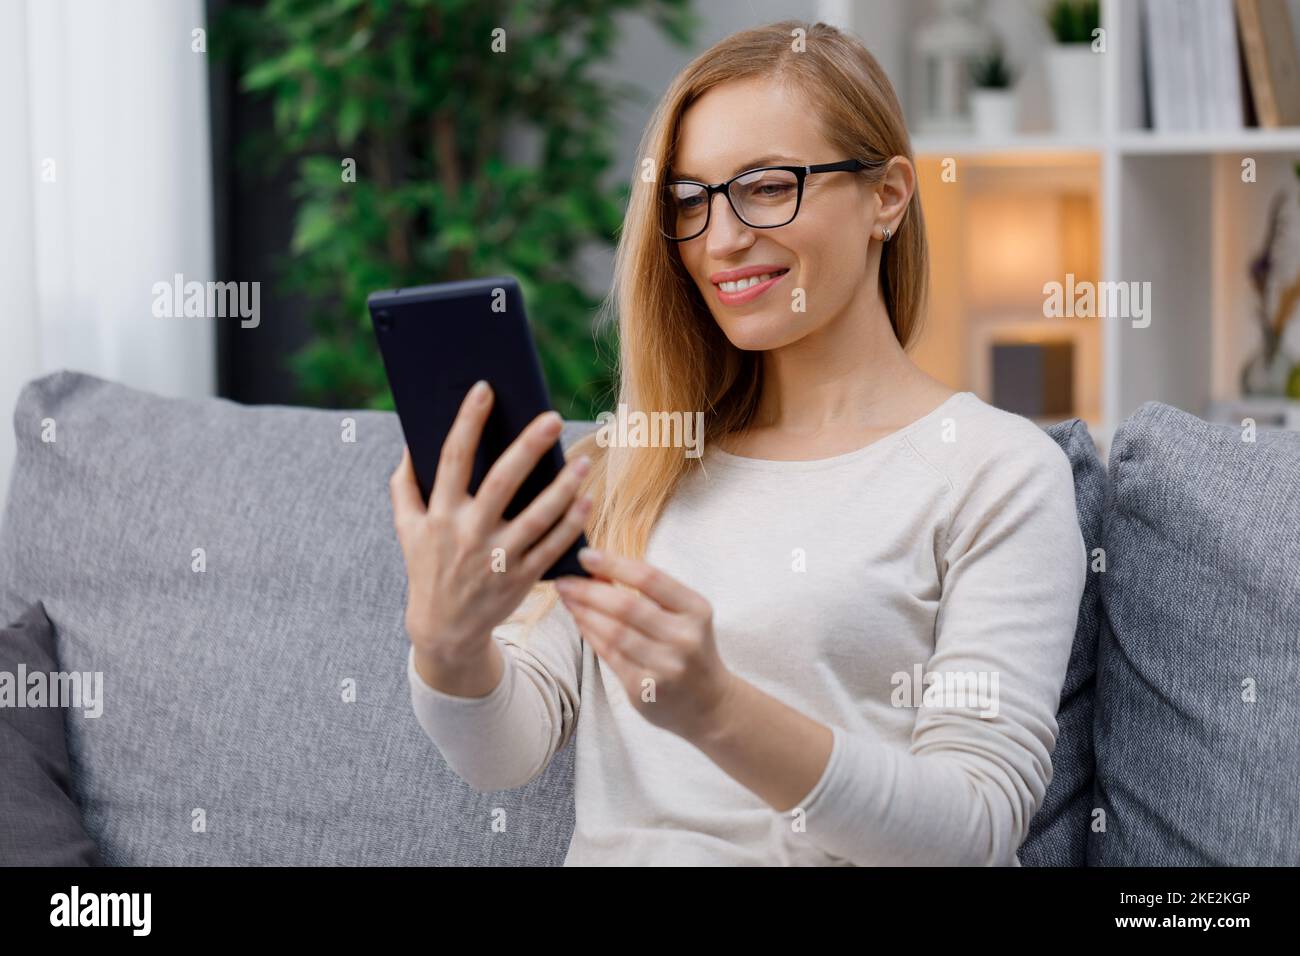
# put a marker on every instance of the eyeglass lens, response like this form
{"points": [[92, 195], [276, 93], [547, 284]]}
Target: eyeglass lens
{"points": [[763, 197]]}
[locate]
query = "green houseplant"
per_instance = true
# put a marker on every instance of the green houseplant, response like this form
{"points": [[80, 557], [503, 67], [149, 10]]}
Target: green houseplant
{"points": [[437, 140], [1072, 21], [993, 101], [1074, 65]]}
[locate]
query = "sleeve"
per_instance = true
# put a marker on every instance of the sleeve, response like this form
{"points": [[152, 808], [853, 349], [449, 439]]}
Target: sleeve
{"points": [[507, 738], [1013, 571]]}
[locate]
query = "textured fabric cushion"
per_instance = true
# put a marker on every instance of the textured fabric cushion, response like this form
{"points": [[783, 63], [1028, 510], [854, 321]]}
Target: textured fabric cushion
{"points": [[226, 737], [40, 823], [1198, 674], [1058, 834]]}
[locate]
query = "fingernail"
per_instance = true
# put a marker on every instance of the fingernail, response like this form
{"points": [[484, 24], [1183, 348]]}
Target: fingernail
{"points": [[589, 555], [582, 466], [553, 420], [480, 390]]}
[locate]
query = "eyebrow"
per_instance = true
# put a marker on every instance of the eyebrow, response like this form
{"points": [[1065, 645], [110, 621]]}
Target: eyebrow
{"points": [[767, 160]]}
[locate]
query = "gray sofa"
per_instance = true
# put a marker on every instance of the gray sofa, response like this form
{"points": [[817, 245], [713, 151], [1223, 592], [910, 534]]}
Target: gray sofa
{"points": [[233, 573]]}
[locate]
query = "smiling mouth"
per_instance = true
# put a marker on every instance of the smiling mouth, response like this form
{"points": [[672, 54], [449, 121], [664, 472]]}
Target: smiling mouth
{"points": [[740, 285]]}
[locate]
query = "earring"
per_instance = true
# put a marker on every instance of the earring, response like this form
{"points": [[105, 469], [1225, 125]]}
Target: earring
{"points": [[886, 232]]}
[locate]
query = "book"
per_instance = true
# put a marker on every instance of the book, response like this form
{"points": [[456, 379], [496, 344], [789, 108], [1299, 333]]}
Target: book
{"points": [[1170, 108], [1197, 58], [1194, 63], [1221, 64], [1269, 47]]}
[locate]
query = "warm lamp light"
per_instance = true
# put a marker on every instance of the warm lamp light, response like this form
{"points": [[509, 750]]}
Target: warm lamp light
{"points": [[1012, 248], [1015, 243]]}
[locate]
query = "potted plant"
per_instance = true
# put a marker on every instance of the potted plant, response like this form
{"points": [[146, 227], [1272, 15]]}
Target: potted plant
{"points": [[1275, 278], [480, 142], [1074, 65], [993, 102]]}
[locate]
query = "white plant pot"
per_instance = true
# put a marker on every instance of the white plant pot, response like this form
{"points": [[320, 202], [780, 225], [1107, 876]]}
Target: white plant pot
{"points": [[1074, 77], [994, 112]]}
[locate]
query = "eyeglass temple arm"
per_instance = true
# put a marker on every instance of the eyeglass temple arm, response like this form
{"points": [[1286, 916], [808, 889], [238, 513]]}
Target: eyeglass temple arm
{"points": [[846, 166]]}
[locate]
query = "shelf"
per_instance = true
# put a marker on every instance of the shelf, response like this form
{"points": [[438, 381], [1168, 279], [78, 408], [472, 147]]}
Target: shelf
{"points": [[1027, 148], [1171, 210], [1209, 142], [1059, 150], [1268, 411]]}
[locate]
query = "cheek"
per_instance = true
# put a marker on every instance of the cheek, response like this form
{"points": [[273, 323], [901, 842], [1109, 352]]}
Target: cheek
{"points": [[692, 260], [830, 268]]}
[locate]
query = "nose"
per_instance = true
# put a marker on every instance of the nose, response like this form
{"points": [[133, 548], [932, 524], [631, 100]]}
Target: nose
{"points": [[726, 234]]}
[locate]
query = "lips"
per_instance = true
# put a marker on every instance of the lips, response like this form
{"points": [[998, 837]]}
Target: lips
{"points": [[737, 286], [744, 272]]}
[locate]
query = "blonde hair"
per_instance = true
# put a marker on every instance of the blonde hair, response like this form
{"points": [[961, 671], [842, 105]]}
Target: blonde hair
{"points": [[672, 354]]}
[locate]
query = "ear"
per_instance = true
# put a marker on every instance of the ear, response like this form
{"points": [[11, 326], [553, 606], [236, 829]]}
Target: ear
{"points": [[893, 193]]}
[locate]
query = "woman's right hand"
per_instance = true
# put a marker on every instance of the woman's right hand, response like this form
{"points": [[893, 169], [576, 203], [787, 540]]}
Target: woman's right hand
{"points": [[455, 597]]}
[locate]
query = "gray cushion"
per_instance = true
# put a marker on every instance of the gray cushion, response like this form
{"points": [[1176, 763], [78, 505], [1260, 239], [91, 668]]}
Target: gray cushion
{"points": [[40, 823], [1058, 834], [224, 689], [1201, 595]]}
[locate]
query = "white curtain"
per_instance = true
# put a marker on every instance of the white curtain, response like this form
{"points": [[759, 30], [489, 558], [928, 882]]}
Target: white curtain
{"points": [[105, 190]]}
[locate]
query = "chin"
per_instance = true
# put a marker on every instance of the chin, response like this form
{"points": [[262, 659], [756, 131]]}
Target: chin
{"points": [[759, 332]]}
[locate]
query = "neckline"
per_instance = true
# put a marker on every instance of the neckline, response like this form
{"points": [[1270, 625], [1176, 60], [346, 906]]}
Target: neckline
{"points": [[721, 457]]}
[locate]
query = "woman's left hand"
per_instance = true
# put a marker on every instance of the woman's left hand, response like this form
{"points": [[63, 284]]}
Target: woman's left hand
{"points": [[657, 638]]}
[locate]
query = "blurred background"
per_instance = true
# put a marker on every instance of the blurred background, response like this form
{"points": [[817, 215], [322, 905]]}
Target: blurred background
{"points": [[323, 149]]}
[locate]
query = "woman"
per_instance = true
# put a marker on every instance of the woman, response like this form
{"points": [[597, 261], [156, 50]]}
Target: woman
{"points": [[839, 636]]}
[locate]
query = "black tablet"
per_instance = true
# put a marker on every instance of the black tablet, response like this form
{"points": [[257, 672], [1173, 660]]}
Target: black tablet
{"points": [[436, 342]]}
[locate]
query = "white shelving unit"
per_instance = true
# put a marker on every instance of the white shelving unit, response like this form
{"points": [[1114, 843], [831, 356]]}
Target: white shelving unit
{"points": [[1171, 209]]}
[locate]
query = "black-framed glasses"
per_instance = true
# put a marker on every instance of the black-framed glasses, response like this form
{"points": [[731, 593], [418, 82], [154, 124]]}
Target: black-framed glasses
{"points": [[762, 198]]}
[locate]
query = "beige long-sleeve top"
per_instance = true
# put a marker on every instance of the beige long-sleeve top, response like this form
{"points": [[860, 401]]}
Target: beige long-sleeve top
{"points": [[919, 596]]}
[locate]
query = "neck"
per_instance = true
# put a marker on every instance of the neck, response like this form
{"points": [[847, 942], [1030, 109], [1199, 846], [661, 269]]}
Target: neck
{"points": [[849, 372]]}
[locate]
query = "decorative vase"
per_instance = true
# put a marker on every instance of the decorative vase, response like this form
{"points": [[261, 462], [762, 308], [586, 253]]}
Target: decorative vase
{"points": [[1266, 376], [994, 112], [942, 51], [1074, 78]]}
